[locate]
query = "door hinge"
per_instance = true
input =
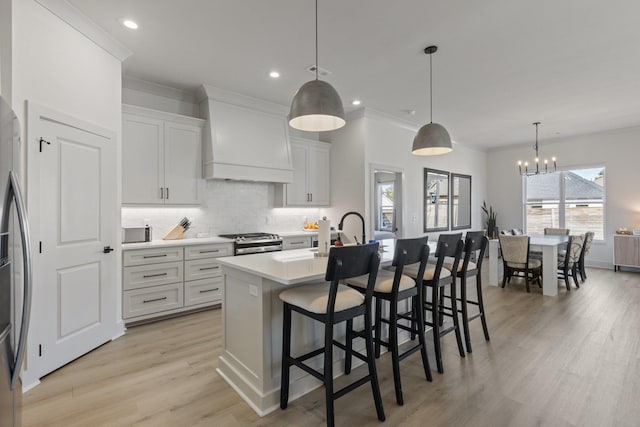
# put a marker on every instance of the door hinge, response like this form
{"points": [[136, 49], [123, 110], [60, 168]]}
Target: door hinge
{"points": [[40, 247], [39, 350], [41, 141]]}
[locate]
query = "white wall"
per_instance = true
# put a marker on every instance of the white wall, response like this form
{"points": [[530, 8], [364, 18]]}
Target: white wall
{"points": [[5, 49], [373, 139], [617, 150], [55, 66], [159, 97]]}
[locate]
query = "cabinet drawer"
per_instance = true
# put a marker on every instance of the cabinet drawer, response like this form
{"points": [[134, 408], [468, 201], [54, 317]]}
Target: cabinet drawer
{"points": [[208, 251], [156, 299], [201, 269], [203, 291], [296, 243], [151, 256], [142, 276]]}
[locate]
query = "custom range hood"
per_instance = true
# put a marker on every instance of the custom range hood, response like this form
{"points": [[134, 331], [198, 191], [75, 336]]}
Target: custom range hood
{"points": [[245, 138]]}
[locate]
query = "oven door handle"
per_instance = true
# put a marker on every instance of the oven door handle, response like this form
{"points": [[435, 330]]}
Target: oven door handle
{"points": [[258, 249]]}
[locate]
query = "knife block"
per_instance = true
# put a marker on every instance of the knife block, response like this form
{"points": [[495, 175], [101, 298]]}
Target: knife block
{"points": [[176, 233]]}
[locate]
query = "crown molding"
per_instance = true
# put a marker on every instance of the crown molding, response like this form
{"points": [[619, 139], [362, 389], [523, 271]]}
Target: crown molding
{"points": [[141, 85], [80, 22]]}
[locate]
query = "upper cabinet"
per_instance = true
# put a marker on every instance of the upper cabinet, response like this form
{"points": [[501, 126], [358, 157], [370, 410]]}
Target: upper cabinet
{"points": [[161, 158], [311, 171], [245, 139]]}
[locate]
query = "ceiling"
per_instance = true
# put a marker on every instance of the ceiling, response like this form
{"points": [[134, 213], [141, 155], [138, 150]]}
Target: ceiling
{"points": [[573, 65]]}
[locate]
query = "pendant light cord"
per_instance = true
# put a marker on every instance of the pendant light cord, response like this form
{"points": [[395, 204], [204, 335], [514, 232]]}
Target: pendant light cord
{"points": [[431, 87], [316, 39]]}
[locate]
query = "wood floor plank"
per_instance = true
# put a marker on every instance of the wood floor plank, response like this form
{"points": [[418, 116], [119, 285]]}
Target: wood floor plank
{"points": [[570, 360]]}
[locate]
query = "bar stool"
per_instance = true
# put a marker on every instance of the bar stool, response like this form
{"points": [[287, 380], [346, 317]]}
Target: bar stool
{"points": [[474, 241], [437, 278], [332, 303], [395, 287]]}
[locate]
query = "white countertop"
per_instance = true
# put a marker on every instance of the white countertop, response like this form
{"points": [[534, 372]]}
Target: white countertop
{"points": [[291, 267], [181, 242]]}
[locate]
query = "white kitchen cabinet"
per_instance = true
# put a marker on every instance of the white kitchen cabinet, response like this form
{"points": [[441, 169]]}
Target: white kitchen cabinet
{"points": [[161, 158], [311, 175], [169, 280]]}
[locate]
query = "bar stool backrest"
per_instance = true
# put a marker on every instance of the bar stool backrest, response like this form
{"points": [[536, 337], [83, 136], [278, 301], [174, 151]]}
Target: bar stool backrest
{"points": [[449, 245], [346, 262], [474, 241], [410, 251]]}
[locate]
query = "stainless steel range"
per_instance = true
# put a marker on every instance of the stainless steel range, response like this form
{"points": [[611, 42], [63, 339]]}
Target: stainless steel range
{"points": [[253, 243]]}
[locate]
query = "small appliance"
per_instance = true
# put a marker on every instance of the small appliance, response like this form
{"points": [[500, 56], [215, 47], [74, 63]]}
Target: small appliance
{"points": [[254, 243]]}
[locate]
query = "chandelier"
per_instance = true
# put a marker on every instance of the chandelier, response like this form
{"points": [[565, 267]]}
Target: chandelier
{"points": [[526, 172]]}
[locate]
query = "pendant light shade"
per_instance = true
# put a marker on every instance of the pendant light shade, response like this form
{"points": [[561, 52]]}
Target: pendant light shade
{"points": [[432, 139], [316, 107]]}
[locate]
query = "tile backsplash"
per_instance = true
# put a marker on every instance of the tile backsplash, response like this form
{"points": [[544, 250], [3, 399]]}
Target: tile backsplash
{"points": [[229, 207]]}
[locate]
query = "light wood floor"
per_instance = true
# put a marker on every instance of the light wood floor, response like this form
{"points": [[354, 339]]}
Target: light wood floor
{"points": [[571, 360]]}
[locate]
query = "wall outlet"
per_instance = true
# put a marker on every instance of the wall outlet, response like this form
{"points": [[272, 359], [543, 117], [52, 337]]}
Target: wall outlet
{"points": [[253, 290], [268, 220]]}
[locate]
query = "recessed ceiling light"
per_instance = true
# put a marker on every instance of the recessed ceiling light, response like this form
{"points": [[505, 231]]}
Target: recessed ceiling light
{"points": [[274, 74], [355, 102], [130, 24]]}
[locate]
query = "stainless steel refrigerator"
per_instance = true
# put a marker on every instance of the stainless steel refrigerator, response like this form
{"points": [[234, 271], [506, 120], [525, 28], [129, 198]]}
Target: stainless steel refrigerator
{"points": [[15, 270]]}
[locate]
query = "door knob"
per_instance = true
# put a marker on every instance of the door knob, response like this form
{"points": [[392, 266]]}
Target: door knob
{"points": [[107, 249]]}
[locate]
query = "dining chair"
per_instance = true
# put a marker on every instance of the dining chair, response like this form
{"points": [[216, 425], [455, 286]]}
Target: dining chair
{"points": [[516, 259], [333, 303], [568, 262], [588, 238], [394, 287]]}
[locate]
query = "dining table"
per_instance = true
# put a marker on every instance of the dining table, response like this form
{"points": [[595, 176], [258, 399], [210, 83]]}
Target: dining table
{"points": [[549, 245]]}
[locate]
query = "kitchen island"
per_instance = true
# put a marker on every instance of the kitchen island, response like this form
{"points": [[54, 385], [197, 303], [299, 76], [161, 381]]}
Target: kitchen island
{"points": [[250, 360]]}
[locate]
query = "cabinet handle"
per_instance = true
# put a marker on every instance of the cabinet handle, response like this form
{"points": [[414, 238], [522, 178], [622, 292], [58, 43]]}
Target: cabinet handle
{"points": [[311, 197], [154, 256], [208, 290], [162, 192], [296, 243], [210, 251], [153, 300], [154, 275], [167, 192], [210, 268]]}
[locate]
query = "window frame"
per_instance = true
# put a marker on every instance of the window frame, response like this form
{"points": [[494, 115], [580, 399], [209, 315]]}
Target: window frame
{"points": [[562, 202]]}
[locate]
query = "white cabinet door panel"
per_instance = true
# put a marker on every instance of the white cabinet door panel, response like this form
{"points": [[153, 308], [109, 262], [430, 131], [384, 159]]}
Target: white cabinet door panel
{"points": [[203, 291], [142, 160], [182, 164], [318, 162], [157, 299], [297, 193], [201, 269], [208, 251], [142, 276]]}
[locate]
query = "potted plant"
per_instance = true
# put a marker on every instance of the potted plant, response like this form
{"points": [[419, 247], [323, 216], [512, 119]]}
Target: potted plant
{"points": [[492, 230]]}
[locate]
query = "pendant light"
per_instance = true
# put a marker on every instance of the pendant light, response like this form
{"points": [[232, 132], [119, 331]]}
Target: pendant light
{"points": [[432, 139], [537, 171], [316, 106]]}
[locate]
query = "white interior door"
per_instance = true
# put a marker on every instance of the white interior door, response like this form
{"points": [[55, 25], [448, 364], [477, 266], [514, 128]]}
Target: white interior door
{"points": [[76, 278]]}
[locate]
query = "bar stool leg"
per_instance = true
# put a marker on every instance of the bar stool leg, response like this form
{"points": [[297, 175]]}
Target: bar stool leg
{"points": [[286, 354], [378, 326], [419, 314], [435, 315], [393, 344], [328, 372], [465, 312], [371, 363], [481, 307], [349, 344], [456, 320]]}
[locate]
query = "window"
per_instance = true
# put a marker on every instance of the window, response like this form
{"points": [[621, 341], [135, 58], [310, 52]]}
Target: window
{"points": [[572, 199], [385, 205]]}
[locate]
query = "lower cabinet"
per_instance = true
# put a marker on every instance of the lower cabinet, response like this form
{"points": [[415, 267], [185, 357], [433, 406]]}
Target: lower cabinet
{"points": [[626, 251], [154, 287]]}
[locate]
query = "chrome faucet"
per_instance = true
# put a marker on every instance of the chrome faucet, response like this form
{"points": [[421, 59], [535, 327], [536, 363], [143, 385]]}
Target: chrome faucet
{"points": [[341, 223]]}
